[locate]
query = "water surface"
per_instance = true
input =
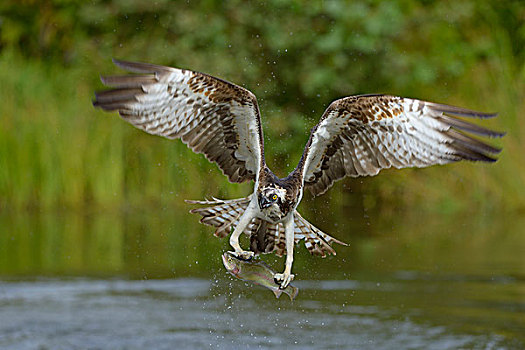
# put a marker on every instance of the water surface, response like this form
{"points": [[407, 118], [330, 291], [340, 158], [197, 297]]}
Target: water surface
{"points": [[155, 280]]}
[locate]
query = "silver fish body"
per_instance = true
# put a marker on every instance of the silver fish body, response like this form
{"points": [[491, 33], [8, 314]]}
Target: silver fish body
{"points": [[258, 272]]}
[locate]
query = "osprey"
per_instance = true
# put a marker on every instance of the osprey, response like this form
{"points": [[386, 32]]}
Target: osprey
{"points": [[356, 136]]}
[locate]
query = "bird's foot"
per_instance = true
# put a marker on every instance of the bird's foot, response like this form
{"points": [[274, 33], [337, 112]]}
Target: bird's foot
{"points": [[243, 254], [283, 279]]}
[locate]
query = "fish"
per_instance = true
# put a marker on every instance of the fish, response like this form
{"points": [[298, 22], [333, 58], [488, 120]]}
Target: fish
{"points": [[256, 271]]}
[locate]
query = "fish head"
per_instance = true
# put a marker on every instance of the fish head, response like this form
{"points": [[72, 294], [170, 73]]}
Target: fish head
{"points": [[231, 263]]}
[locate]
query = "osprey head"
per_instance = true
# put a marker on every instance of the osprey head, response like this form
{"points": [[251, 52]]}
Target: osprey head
{"points": [[270, 197]]}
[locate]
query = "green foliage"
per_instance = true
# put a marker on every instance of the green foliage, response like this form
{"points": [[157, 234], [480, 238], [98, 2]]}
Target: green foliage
{"points": [[56, 150]]}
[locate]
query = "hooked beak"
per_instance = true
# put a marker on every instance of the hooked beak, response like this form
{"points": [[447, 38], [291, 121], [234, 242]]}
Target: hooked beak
{"points": [[264, 202]]}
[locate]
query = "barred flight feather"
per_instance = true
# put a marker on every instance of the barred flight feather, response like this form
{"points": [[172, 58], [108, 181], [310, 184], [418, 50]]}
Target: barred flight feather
{"points": [[223, 214], [212, 116], [360, 135]]}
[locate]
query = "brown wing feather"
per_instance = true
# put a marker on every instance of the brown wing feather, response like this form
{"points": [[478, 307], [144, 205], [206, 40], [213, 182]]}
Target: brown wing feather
{"points": [[360, 135], [210, 115]]}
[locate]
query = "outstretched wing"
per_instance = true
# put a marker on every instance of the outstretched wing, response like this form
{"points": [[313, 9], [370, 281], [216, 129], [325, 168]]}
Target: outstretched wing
{"points": [[360, 135], [210, 115]]}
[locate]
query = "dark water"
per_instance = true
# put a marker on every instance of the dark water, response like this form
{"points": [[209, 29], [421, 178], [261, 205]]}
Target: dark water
{"points": [[155, 281]]}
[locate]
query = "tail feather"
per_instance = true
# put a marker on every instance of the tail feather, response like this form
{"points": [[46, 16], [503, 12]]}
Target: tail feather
{"points": [[223, 214], [262, 236], [316, 241], [265, 237], [280, 241]]}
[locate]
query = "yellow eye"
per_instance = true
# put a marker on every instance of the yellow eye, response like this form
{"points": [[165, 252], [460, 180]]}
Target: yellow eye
{"points": [[274, 197]]}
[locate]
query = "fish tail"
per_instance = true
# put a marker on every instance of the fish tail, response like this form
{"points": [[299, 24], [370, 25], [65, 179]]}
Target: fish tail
{"points": [[293, 292]]}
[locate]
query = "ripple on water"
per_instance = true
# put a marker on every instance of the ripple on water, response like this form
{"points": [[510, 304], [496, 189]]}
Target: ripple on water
{"points": [[196, 313]]}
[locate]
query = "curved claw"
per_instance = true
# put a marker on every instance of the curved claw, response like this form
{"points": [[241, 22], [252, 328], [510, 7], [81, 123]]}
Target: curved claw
{"points": [[243, 254], [283, 279]]}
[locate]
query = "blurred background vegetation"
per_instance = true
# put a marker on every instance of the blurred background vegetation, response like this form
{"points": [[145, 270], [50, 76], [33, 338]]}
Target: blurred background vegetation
{"points": [[57, 152]]}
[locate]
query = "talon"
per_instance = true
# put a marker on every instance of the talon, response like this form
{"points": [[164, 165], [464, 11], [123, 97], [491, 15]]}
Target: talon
{"points": [[283, 279], [243, 254]]}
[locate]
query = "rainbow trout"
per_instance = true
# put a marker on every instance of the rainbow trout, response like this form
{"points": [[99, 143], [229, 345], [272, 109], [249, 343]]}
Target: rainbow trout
{"points": [[258, 272]]}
